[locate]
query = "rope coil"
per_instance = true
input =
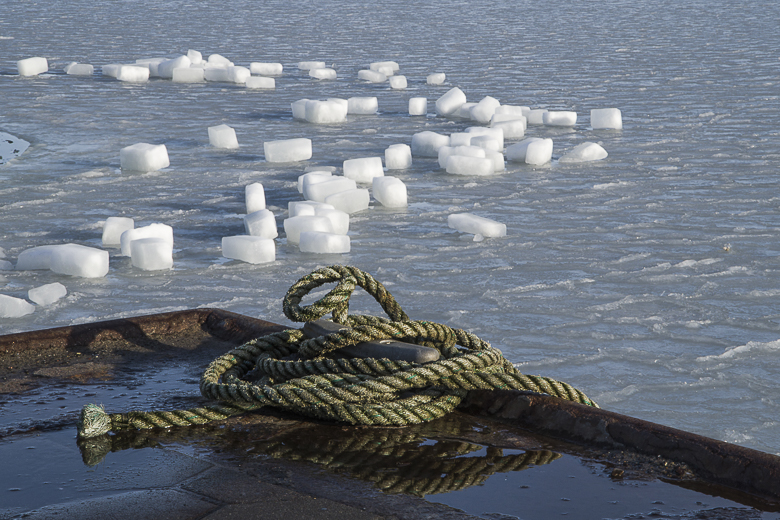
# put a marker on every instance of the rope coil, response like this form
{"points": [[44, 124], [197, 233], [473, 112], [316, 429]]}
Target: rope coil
{"points": [[307, 376]]}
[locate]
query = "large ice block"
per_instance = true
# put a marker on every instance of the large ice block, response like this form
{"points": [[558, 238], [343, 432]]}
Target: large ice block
{"points": [[498, 160], [165, 68], [323, 73], [390, 192], [196, 58], [320, 191], [606, 118], [484, 110], [533, 150], [339, 220], [223, 136], [218, 59], [294, 226], [486, 142], [362, 105], [78, 260], [32, 66], [309, 65], [299, 108], [133, 74], [80, 69], [463, 165], [313, 176], [495, 133], [306, 207], [151, 254], [418, 106], [450, 101], [468, 223], [266, 69], [238, 75], [437, 78], [11, 307], [512, 130], [363, 169], [372, 76], [559, 118], [398, 157], [216, 74], [392, 65], [47, 294], [254, 196], [398, 82], [584, 152], [260, 82], [325, 112], [350, 201], [287, 150], [155, 230], [536, 116], [250, 249], [144, 157], [261, 223], [113, 229], [188, 75], [323, 243], [427, 143]]}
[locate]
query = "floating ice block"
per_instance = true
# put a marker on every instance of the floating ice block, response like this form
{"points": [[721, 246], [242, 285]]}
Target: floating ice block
{"points": [[514, 129], [362, 105], [35, 258], [464, 111], [484, 110], [350, 201], [32, 66], [398, 82], [165, 68], [196, 58], [188, 75], [313, 177], [294, 226], [218, 59], [464, 165], [266, 69], [392, 65], [584, 152], [253, 250], [339, 220], [11, 307], [238, 75], [299, 108], [144, 157], [80, 69], [223, 136], [287, 150], [111, 70], [560, 118], [520, 111], [113, 229], [460, 139], [254, 196], [390, 192], [323, 243], [324, 73], [498, 160], [468, 223], [308, 65], [398, 157], [260, 82], [427, 143], [387, 71], [151, 254], [536, 116], [495, 133], [47, 294], [606, 118], [325, 112], [320, 191], [436, 78], [261, 223], [450, 102], [500, 118], [486, 142], [216, 74], [305, 207], [445, 152], [133, 74], [516, 152], [363, 169], [162, 231], [531, 151], [418, 106], [78, 260], [372, 76]]}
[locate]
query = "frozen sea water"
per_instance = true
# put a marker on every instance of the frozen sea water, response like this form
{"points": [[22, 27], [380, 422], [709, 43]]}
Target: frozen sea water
{"points": [[649, 279]]}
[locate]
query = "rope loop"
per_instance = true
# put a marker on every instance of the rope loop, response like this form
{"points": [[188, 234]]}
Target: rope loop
{"points": [[311, 376]]}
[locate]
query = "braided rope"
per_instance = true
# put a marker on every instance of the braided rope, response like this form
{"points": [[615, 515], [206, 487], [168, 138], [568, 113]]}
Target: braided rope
{"points": [[321, 384]]}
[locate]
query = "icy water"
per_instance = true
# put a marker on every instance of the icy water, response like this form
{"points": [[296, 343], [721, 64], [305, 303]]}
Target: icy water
{"points": [[649, 280]]}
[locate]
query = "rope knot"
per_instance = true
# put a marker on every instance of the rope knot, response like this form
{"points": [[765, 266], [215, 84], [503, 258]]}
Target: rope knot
{"points": [[93, 422]]}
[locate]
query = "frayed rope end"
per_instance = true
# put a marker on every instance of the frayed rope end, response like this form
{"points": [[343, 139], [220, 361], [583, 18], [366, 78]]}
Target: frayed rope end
{"points": [[93, 422]]}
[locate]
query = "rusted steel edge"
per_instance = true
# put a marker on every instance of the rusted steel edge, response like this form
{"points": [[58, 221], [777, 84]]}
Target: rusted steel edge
{"points": [[745, 469], [220, 323]]}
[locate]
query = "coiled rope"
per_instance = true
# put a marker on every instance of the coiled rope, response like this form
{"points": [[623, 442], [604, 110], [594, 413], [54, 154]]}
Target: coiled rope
{"points": [[307, 376]]}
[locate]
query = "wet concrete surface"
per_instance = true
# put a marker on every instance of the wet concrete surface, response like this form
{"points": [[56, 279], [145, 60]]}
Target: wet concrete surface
{"points": [[276, 465]]}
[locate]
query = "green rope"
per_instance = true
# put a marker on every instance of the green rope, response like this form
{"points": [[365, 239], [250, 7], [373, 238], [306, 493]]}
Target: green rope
{"points": [[307, 376]]}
